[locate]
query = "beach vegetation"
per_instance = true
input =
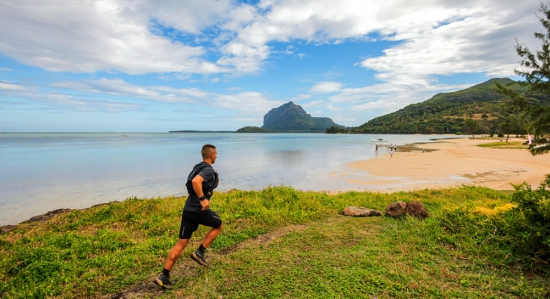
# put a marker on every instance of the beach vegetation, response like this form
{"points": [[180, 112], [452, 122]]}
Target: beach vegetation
{"points": [[505, 145], [284, 243], [529, 223]]}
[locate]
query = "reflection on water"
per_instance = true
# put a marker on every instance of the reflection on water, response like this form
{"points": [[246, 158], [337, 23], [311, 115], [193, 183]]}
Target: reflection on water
{"points": [[287, 158], [46, 171]]}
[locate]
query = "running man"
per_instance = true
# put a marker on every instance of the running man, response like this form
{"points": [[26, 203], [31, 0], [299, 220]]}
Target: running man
{"points": [[201, 183]]}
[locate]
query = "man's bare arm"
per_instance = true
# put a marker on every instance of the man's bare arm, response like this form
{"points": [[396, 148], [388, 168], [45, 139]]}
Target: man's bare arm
{"points": [[197, 186]]}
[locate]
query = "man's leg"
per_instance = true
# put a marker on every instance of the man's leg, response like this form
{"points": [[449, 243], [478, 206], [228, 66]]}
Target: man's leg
{"points": [[198, 255], [175, 253], [163, 279], [211, 236]]}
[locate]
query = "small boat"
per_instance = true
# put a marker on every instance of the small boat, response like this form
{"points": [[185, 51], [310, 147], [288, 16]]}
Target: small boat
{"points": [[379, 140]]}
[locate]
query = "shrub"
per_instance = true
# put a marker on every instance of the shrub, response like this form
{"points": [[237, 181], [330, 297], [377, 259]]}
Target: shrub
{"points": [[458, 133], [528, 224], [500, 135]]}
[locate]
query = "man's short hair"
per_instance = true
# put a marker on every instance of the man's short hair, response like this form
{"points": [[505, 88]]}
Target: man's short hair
{"points": [[206, 150]]}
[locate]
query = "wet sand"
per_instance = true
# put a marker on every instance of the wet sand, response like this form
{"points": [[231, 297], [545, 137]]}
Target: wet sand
{"points": [[450, 163]]}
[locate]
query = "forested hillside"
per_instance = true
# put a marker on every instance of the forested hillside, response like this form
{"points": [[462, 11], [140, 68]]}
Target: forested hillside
{"points": [[452, 112]]}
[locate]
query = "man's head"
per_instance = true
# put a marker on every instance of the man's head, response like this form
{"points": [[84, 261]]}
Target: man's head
{"points": [[209, 152]]}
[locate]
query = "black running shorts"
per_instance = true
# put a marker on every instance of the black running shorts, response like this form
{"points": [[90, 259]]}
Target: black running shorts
{"points": [[190, 222]]}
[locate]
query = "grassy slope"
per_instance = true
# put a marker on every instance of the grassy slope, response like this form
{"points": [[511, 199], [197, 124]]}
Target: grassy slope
{"points": [[276, 243]]}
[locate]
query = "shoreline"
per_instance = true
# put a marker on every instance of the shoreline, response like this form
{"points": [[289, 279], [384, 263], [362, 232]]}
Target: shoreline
{"points": [[450, 163]]}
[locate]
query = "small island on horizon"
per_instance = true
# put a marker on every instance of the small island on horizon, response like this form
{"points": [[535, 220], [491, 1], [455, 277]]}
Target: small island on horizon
{"points": [[196, 131]]}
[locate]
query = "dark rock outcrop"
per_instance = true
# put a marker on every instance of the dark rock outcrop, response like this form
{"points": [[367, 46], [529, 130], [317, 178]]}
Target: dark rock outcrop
{"points": [[396, 209], [416, 209]]}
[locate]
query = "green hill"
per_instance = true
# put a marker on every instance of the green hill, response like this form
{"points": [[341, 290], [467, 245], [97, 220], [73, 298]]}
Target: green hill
{"points": [[446, 112]]}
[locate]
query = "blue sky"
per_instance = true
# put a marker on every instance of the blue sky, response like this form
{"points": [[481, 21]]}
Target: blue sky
{"points": [[155, 66]]}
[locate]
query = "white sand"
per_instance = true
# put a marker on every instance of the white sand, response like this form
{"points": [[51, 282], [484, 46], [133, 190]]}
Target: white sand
{"points": [[456, 162]]}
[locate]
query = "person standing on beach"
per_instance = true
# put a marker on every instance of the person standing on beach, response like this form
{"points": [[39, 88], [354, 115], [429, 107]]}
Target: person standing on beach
{"points": [[376, 151], [201, 183], [391, 153]]}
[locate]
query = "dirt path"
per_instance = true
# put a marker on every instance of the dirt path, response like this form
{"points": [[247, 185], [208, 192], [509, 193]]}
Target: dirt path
{"points": [[148, 289]]}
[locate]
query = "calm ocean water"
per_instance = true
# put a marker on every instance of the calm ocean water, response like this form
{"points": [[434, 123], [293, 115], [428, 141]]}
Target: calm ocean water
{"points": [[40, 172]]}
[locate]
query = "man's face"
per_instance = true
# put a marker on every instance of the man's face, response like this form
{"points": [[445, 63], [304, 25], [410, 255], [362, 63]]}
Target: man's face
{"points": [[213, 156]]}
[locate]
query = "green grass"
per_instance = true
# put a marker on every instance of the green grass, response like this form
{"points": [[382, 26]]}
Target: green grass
{"points": [[276, 243], [505, 145]]}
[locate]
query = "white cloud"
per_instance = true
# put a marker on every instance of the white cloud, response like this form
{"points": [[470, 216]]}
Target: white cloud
{"points": [[318, 103], [10, 86], [239, 17], [247, 102], [107, 86], [480, 43], [326, 87], [300, 97], [71, 103], [244, 101], [320, 113], [61, 101], [443, 26], [191, 16], [80, 36], [439, 36]]}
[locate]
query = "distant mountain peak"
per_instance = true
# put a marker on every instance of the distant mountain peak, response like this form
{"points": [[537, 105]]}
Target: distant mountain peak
{"points": [[292, 117]]}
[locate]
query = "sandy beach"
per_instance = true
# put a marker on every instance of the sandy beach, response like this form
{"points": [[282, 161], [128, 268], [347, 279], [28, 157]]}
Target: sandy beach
{"points": [[450, 163]]}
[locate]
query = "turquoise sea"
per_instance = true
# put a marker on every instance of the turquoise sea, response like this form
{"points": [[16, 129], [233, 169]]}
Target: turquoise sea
{"points": [[40, 172]]}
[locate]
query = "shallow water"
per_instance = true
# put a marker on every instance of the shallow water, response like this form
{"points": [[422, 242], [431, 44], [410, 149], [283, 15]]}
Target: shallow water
{"points": [[40, 172]]}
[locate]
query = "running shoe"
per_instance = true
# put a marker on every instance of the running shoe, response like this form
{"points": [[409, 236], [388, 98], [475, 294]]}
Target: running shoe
{"points": [[199, 258], [163, 281]]}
